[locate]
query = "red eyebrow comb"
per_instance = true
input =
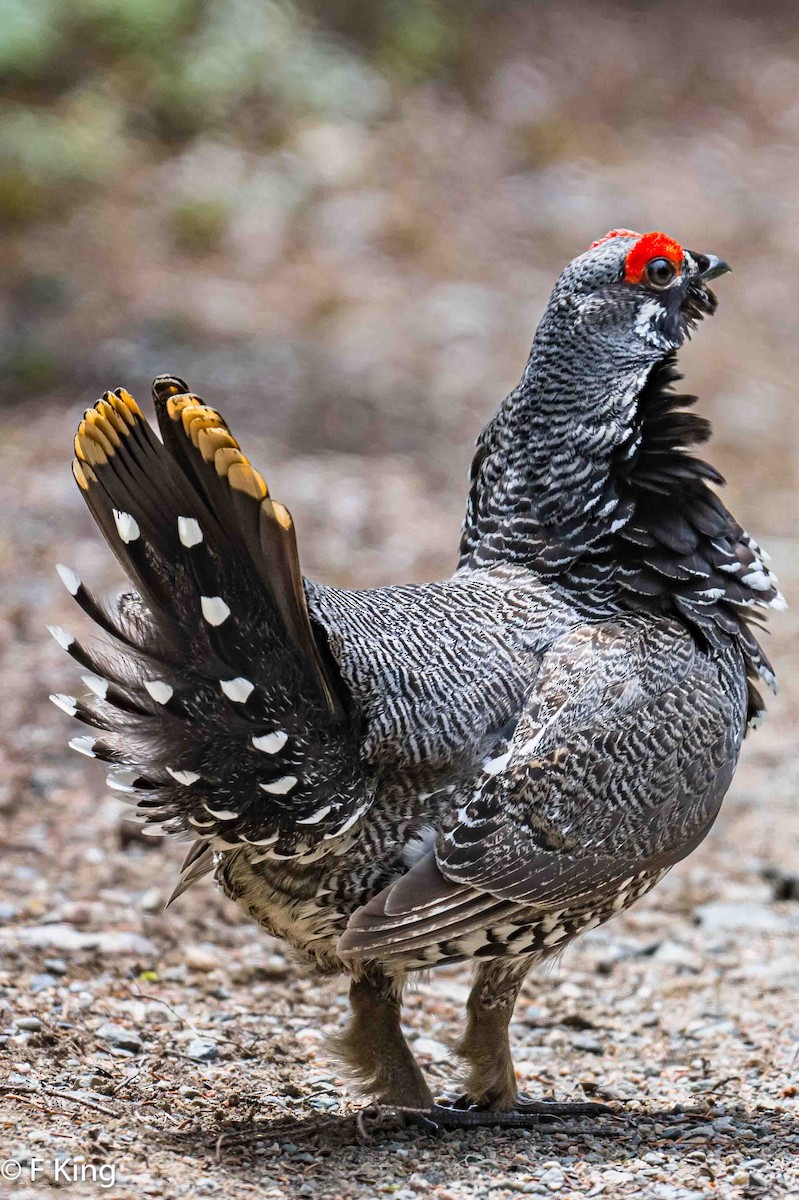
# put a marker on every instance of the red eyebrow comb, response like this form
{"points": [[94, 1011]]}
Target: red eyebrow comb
{"points": [[649, 246], [614, 233]]}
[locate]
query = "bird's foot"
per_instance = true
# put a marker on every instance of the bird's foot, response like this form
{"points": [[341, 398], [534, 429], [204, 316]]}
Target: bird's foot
{"points": [[458, 1110]]}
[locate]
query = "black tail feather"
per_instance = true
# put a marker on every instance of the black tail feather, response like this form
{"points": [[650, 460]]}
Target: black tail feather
{"points": [[215, 698]]}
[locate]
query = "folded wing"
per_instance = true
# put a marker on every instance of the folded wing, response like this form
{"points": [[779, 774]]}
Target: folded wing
{"points": [[615, 771]]}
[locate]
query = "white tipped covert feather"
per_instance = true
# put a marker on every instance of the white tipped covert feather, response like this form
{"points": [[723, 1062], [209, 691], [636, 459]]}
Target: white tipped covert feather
{"points": [[280, 787], [96, 684], [127, 526], [189, 532], [63, 638], [238, 690], [214, 609], [70, 580], [160, 691], [271, 743], [198, 824], [122, 780], [83, 745], [222, 814], [187, 778], [316, 817], [65, 703]]}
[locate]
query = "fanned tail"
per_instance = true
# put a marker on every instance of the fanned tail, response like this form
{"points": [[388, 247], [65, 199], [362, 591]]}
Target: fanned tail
{"points": [[212, 693]]}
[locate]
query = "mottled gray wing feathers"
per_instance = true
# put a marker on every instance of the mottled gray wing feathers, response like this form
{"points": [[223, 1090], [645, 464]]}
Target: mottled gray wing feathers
{"points": [[617, 767]]}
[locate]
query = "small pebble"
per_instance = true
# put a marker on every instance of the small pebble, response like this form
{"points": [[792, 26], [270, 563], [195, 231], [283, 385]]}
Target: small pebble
{"points": [[119, 1037], [152, 901], [200, 958], [40, 983], [202, 1050]]}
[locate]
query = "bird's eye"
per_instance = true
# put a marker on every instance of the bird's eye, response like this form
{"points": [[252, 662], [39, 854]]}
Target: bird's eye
{"points": [[660, 272]]}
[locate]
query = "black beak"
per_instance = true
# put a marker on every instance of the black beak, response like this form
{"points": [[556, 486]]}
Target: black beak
{"points": [[709, 266]]}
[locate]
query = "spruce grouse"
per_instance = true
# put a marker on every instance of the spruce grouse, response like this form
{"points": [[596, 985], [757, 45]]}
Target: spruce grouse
{"points": [[481, 768]]}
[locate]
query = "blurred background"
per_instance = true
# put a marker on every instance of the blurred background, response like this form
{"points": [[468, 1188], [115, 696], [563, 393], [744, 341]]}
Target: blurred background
{"points": [[340, 222]]}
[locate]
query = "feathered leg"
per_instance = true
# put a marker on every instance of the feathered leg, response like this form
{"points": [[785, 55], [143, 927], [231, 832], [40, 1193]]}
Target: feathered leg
{"points": [[491, 1082], [491, 1096], [374, 1048]]}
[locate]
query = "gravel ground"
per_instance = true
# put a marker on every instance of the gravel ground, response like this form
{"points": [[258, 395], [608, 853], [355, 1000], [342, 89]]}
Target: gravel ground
{"points": [[184, 1049]]}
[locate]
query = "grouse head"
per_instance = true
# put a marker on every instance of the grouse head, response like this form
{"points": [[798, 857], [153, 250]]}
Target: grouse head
{"points": [[633, 296]]}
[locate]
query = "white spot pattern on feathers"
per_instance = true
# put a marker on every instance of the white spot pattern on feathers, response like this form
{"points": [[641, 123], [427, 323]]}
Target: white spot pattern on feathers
{"points": [[279, 787], [70, 580], [187, 778], [495, 766], [83, 745], [649, 311], [757, 579], [65, 703], [122, 780], [160, 691], [154, 829], [316, 817], [550, 921], [63, 638], [214, 609], [189, 532], [200, 824], [221, 814], [127, 526], [238, 690], [96, 684], [419, 845], [271, 743], [348, 824]]}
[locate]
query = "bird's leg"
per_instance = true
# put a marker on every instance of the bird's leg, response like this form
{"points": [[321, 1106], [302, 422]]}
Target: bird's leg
{"points": [[373, 1047], [491, 1096], [491, 1081]]}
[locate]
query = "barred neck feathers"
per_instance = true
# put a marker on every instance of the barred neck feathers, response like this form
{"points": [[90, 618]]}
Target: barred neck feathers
{"points": [[603, 495]]}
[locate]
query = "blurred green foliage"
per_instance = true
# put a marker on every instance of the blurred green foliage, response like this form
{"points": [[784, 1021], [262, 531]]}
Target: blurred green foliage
{"points": [[198, 226], [86, 85]]}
